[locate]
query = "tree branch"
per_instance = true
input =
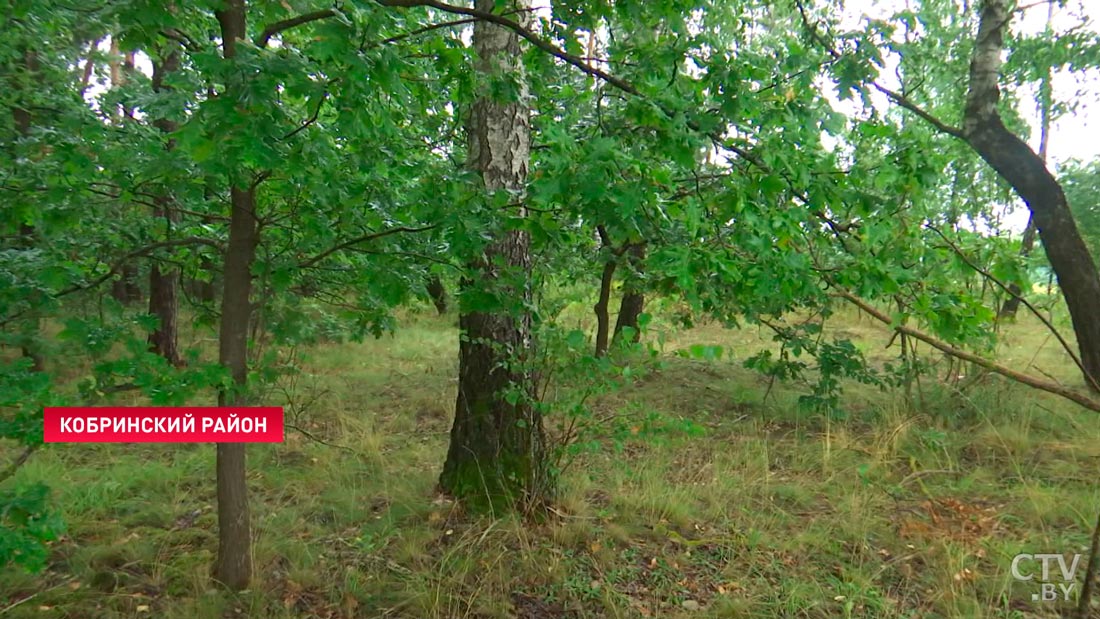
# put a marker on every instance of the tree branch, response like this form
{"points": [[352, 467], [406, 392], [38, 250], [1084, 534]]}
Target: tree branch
{"points": [[1050, 327], [908, 104], [273, 29], [309, 121], [182, 38], [18, 462], [896, 97], [519, 29], [361, 239], [1025, 379], [137, 253], [422, 30]]}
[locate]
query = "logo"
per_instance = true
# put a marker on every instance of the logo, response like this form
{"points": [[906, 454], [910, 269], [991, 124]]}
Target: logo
{"points": [[191, 424], [1054, 585]]}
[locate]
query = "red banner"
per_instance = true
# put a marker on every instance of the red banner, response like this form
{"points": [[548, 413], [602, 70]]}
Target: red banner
{"points": [[183, 424]]}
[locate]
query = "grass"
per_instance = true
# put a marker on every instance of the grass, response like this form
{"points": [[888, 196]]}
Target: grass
{"points": [[910, 507]]}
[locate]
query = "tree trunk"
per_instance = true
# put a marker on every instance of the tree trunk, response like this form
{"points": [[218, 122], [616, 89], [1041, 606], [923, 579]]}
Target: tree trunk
{"points": [[1012, 303], [1027, 243], [438, 293], [633, 301], [607, 279], [125, 288], [1025, 171], [234, 562], [497, 454], [164, 286], [164, 304], [603, 319], [234, 566], [21, 117]]}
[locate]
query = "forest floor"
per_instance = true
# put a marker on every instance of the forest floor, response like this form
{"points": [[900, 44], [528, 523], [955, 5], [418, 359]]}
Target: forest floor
{"points": [[744, 507]]}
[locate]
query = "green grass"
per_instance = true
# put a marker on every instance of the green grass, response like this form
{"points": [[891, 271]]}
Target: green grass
{"points": [[907, 508]]}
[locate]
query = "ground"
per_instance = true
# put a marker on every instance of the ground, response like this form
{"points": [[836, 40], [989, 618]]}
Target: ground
{"points": [[740, 507]]}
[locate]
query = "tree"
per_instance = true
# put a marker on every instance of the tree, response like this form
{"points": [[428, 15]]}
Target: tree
{"points": [[22, 119], [234, 563], [164, 284], [438, 293], [497, 453], [633, 300], [985, 131]]}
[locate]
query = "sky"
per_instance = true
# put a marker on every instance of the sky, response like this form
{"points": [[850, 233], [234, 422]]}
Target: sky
{"points": [[1072, 135]]}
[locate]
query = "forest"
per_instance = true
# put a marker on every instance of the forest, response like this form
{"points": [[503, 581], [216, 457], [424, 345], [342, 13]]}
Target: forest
{"points": [[573, 309]]}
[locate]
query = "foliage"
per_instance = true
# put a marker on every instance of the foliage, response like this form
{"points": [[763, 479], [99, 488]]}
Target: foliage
{"points": [[744, 143]]}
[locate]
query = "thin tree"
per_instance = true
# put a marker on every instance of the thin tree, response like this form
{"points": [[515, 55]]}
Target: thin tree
{"points": [[607, 279], [234, 562], [164, 285]]}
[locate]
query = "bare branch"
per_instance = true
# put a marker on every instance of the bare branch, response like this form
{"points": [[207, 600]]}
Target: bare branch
{"points": [[137, 253], [361, 239], [1025, 379], [18, 462], [1050, 327], [428, 28], [309, 121], [182, 38], [519, 29], [286, 24], [908, 104]]}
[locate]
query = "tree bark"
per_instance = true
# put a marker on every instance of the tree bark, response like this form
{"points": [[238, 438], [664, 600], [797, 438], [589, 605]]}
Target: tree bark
{"points": [[164, 286], [1025, 171], [497, 455], [234, 562], [633, 301], [438, 293]]}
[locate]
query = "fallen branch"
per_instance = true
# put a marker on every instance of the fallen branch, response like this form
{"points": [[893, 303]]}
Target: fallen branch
{"points": [[1031, 308], [1025, 379], [18, 462], [317, 439]]}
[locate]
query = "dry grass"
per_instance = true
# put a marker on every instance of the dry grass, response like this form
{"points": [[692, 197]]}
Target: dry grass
{"points": [[908, 508]]}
